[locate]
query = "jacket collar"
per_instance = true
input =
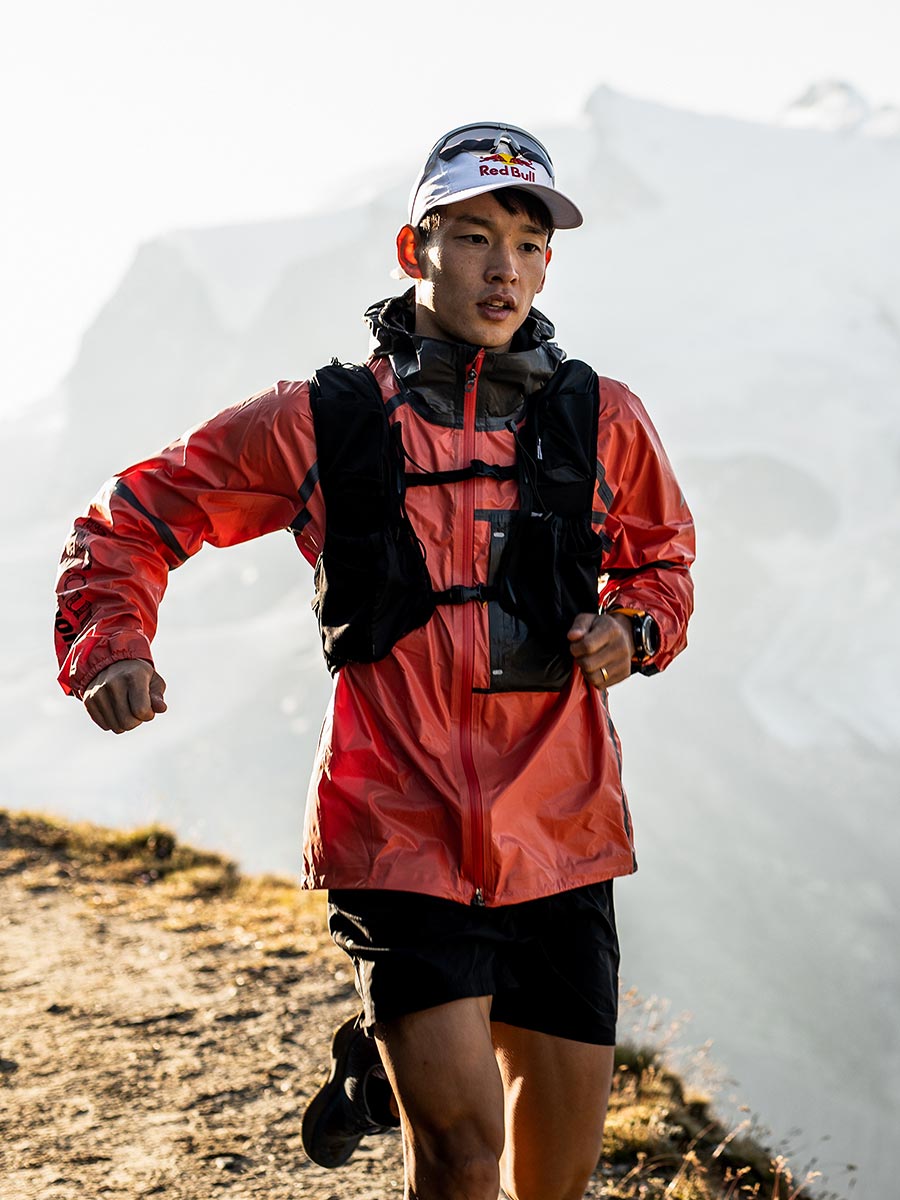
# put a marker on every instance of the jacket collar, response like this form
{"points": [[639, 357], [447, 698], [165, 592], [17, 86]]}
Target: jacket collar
{"points": [[435, 371]]}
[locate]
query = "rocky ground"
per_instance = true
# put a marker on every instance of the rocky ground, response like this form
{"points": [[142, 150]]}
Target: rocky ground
{"points": [[165, 1021]]}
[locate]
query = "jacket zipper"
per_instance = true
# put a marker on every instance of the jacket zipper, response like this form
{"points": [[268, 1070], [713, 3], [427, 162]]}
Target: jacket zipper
{"points": [[476, 800]]}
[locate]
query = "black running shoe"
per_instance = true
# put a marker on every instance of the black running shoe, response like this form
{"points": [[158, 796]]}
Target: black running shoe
{"points": [[338, 1116]]}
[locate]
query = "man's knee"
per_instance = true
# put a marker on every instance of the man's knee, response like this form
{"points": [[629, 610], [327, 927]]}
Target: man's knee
{"points": [[562, 1181], [461, 1158]]}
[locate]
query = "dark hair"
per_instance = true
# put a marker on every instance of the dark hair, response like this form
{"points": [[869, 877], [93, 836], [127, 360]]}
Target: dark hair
{"points": [[512, 200]]}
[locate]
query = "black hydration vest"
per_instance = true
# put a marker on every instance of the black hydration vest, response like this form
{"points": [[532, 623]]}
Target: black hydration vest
{"points": [[371, 579]]}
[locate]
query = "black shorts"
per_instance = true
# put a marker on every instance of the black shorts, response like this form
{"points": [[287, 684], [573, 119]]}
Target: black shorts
{"points": [[550, 964]]}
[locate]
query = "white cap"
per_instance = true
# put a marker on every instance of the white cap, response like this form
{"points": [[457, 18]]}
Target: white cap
{"points": [[482, 157]]}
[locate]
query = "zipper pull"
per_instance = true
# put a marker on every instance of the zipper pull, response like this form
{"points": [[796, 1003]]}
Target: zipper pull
{"points": [[478, 899], [472, 376], [540, 451]]}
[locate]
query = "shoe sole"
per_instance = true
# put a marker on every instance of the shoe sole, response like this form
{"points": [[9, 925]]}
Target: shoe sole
{"points": [[325, 1098]]}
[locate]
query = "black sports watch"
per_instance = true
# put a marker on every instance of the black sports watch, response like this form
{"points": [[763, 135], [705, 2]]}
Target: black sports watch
{"points": [[646, 636], [644, 631]]}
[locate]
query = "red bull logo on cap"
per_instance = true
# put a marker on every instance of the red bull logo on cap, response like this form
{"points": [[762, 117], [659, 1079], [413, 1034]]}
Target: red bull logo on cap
{"points": [[509, 164]]}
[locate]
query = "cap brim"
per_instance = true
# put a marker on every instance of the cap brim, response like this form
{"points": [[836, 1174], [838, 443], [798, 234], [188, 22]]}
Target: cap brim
{"points": [[564, 214]]}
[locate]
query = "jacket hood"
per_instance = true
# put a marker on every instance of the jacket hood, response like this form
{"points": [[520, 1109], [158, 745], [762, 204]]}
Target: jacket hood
{"points": [[434, 371]]}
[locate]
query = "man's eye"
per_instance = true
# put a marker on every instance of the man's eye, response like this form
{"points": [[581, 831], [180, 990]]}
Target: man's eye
{"points": [[478, 238], [532, 247]]}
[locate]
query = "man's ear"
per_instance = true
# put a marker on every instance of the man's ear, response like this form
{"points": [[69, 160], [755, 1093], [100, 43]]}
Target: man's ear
{"points": [[548, 255], [406, 252]]}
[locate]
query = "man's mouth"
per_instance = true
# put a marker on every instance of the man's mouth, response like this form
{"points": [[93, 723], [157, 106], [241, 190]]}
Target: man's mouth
{"points": [[496, 307]]}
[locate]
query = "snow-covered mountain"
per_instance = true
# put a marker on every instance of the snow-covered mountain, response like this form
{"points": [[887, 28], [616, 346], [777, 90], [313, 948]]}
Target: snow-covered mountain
{"points": [[745, 281], [835, 106]]}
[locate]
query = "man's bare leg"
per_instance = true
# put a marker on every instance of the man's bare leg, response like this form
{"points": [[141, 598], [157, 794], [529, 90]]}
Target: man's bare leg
{"points": [[556, 1093], [442, 1068]]}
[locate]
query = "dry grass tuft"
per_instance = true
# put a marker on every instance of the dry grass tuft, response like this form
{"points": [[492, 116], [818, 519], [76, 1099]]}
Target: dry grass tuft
{"points": [[665, 1143], [140, 856]]}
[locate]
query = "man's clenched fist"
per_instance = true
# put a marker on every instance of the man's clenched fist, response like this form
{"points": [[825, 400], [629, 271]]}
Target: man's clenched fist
{"points": [[125, 695], [602, 644]]}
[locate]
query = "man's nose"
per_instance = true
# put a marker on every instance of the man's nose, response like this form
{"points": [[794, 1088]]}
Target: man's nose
{"points": [[501, 266]]}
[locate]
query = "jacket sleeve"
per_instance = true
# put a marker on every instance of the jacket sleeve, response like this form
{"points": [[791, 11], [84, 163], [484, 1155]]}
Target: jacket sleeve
{"points": [[247, 471], [648, 523]]}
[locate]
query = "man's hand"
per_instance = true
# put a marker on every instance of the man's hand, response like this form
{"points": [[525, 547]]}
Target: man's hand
{"points": [[125, 695], [602, 644]]}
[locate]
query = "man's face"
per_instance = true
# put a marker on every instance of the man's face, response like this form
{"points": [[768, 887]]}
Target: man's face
{"points": [[478, 273]]}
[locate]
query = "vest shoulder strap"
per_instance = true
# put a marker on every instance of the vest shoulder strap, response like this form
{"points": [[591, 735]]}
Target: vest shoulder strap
{"points": [[353, 446], [372, 584], [557, 444]]}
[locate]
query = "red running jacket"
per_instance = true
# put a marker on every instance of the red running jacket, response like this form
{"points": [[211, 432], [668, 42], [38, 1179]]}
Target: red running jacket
{"points": [[429, 776]]}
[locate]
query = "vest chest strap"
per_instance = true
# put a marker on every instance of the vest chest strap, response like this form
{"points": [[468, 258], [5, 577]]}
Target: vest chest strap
{"points": [[460, 594], [476, 470]]}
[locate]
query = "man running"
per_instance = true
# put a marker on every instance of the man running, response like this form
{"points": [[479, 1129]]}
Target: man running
{"points": [[499, 540]]}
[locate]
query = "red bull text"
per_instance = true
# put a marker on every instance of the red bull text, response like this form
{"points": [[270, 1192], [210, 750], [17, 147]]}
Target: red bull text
{"points": [[516, 168]]}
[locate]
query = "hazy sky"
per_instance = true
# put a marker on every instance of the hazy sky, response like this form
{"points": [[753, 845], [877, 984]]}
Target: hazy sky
{"points": [[123, 120]]}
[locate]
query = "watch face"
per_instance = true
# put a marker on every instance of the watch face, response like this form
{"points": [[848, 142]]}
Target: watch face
{"points": [[650, 636]]}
